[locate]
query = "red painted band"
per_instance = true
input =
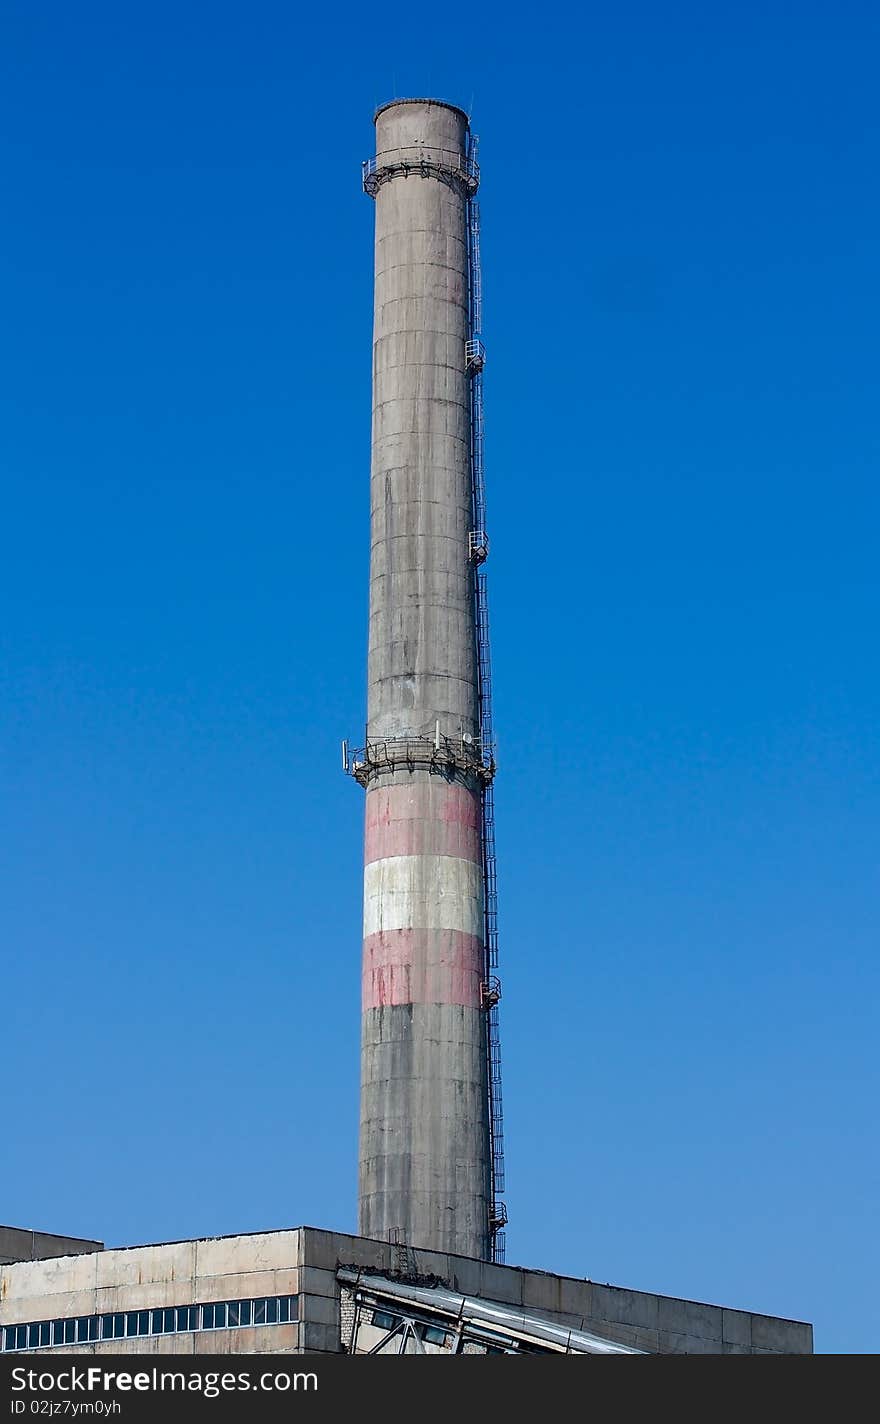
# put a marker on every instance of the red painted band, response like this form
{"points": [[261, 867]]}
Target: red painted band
{"points": [[424, 817], [422, 967]]}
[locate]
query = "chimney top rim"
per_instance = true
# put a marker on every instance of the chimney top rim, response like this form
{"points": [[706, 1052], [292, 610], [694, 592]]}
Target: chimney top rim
{"points": [[440, 104]]}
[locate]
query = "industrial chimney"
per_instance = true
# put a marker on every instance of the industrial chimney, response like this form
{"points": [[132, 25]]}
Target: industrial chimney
{"points": [[430, 1126]]}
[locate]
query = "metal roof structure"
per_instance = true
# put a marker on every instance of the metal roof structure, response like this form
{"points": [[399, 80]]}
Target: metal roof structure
{"points": [[395, 1317]]}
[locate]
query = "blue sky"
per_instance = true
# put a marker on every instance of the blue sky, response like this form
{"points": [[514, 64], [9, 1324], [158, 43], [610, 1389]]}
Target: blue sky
{"points": [[681, 224]]}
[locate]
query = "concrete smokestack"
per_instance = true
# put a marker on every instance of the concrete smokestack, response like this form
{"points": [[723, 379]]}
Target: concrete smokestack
{"points": [[425, 1142]]}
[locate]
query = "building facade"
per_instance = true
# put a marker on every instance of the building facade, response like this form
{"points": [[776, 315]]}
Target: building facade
{"points": [[305, 1291]]}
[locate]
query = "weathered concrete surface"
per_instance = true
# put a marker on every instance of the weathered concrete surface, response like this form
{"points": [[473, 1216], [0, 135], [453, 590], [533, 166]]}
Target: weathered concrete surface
{"points": [[655, 1323], [422, 663], [169, 1274], [424, 1135], [19, 1245], [431, 1054], [304, 1261]]}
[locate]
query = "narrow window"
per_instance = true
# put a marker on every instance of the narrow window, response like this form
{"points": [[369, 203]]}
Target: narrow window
{"points": [[259, 1312], [272, 1310], [45, 1332]]}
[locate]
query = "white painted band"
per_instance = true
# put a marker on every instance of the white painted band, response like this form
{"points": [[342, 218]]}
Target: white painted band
{"points": [[426, 892]]}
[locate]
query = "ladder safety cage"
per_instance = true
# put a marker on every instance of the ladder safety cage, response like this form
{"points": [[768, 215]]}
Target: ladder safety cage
{"points": [[478, 549], [474, 355]]}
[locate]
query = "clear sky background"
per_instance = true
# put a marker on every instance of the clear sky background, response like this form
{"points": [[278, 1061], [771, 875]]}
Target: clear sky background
{"points": [[681, 233]]}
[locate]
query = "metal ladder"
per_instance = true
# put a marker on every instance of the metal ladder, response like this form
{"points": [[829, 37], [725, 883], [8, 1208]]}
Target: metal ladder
{"points": [[478, 551]]}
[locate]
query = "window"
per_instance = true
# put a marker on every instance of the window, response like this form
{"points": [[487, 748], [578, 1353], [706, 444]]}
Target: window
{"points": [[218, 1315], [385, 1320], [434, 1335], [239, 1312]]}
